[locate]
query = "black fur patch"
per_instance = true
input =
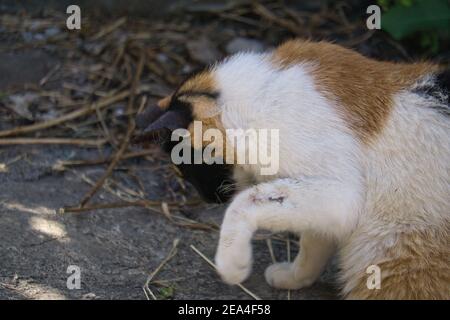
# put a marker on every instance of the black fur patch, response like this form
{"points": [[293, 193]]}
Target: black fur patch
{"points": [[443, 82], [438, 89], [212, 181], [184, 108], [210, 95]]}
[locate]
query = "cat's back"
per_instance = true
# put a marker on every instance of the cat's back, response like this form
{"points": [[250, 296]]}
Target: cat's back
{"points": [[404, 228], [390, 119]]}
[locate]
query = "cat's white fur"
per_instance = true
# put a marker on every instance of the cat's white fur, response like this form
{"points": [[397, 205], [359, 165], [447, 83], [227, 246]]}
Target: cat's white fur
{"points": [[333, 189]]}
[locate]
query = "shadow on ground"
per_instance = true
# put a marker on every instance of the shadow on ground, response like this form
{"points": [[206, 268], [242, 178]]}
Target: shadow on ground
{"points": [[116, 249]]}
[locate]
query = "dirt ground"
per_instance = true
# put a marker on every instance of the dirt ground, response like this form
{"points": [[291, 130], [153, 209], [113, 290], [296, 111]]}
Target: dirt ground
{"points": [[116, 249], [46, 72]]}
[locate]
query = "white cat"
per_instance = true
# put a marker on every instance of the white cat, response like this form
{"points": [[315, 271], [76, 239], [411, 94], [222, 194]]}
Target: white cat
{"points": [[364, 165]]}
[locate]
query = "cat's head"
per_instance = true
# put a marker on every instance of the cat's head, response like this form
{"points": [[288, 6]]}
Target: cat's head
{"points": [[196, 99]]}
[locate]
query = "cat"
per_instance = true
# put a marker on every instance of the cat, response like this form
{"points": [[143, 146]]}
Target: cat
{"points": [[364, 172]]}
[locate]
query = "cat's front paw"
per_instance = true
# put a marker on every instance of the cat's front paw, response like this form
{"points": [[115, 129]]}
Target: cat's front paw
{"points": [[283, 276], [234, 263]]}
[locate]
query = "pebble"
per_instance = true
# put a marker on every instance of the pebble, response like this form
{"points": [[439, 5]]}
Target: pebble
{"points": [[244, 44]]}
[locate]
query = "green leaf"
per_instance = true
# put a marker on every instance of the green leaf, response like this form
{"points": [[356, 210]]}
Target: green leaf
{"points": [[422, 15], [166, 292], [430, 41], [385, 4], [406, 3]]}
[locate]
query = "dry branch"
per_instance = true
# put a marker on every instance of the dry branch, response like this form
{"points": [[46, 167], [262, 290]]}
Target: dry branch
{"points": [[251, 294], [126, 140], [109, 28], [112, 205], [77, 142], [270, 16], [78, 163], [170, 255], [67, 117]]}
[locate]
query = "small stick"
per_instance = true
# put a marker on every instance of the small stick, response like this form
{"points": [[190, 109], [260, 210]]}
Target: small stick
{"points": [[75, 163], [109, 28], [69, 116], [49, 74], [110, 168], [268, 15], [106, 131], [170, 255], [269, 245], [142, 106], [84, 90], [124, 197], [113, 205], [151, 293], [126, 140], [119, 56], [151, 205], [251, 294], [288, 248], [193, 202], [165, 282], [77, 142]]}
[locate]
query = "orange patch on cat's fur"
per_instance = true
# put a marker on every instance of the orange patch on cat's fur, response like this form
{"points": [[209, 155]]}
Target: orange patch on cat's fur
{"points": [[363, 87], [164, 102], [203, 109], [201, 82], [417, 267]]}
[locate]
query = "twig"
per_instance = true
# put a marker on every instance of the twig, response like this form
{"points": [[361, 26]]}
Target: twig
{"points": [[142, 105], [151, 293], [112, 205], [357, 40], [123, 197], [70, 116], [288, 248], [121, 51], [49, 74], [149, 204], [268, 15], [78, 142], [77, 163], [251, 294], [74, 87], [106, 131], [126, 140], [127, 190], [109, 28], [192, 202], [110, 168], [269, 245], [170, 255], [165, 282]]}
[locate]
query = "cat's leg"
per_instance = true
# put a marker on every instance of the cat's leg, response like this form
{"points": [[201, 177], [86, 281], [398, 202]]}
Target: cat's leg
{"points": [[315, 251], [326, 206]]}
